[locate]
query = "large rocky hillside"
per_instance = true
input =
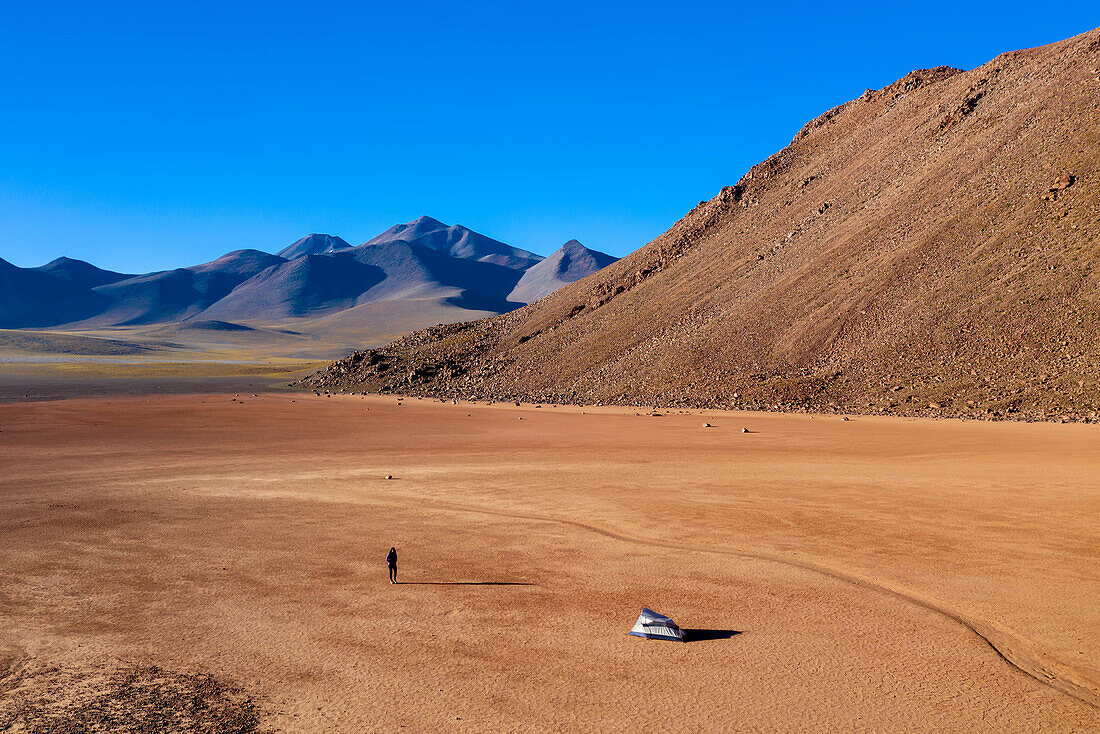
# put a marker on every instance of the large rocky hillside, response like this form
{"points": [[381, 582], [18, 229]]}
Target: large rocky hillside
{"points": [[931, 247]]}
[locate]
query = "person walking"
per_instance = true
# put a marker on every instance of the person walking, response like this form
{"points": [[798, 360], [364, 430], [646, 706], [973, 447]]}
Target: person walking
{"points": [[391, 561]]}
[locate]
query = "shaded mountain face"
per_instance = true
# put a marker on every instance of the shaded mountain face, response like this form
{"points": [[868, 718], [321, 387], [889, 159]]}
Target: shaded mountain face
{"points": [[172, 295], [930, 248], [30, 297], [306, 286], [313, 244], [569, 264], [457, 241], [416, 271]]}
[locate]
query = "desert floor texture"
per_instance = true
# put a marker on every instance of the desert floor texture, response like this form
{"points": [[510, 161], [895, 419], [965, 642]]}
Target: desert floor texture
{"points": [[874, 574]]}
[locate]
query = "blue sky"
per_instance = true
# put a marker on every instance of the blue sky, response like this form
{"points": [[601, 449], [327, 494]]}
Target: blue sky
{"points": [[143, 136]]}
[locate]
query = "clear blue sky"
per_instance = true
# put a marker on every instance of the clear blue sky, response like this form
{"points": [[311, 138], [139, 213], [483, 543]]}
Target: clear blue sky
{"points": [[149, 135]]}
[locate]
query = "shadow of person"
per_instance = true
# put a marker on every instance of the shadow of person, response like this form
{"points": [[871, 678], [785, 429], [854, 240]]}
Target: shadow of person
{"points": [[467, 583], [698, 635]]}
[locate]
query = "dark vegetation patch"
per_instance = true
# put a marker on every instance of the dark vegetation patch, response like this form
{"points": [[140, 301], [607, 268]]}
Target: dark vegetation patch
{"points": [[215, 325], [48, 343], [131, 699]]}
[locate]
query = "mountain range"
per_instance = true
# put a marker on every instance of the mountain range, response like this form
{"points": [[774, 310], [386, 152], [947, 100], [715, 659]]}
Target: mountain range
{"points": [[455, 269], [928, 248]]}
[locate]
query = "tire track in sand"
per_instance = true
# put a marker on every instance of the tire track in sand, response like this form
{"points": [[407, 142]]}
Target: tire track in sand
{"points": [[1008, 646]]}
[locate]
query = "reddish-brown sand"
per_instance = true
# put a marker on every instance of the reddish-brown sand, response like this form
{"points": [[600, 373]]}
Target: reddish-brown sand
{"points": [[877, 574]]}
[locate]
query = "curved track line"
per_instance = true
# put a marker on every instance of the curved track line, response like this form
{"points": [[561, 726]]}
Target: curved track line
{"points": [[1003, 642]]}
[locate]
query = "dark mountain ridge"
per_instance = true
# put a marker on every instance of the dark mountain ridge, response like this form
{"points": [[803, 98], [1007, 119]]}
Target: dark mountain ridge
{"points": [[80, 272], [319, 275], [31, 297]]}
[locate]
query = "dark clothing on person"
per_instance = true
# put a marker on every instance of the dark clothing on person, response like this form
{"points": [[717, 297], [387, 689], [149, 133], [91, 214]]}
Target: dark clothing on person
{"points": [[391, 561]]}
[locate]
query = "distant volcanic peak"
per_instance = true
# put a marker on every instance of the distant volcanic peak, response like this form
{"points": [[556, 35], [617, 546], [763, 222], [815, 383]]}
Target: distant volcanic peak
{"points": [[244, 254], [409, 231], [571, 262], [426, 222], [425, 225], [457, 241], [314, 244], [61, 262], [240, 260], [64, 263], [423, 222], [574, 252]]}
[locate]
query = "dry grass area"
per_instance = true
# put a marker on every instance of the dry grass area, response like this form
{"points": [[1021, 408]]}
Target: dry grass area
{"points": [[198, 356], [875, 574], [73, 378], [277, 369]]}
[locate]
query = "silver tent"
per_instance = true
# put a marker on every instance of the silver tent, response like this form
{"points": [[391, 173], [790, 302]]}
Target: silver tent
{"points": [[655, 626]]}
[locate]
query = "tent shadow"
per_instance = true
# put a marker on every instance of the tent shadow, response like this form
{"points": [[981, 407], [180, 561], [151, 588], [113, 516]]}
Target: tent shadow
{"points": [[699, 635], [467, 583]]}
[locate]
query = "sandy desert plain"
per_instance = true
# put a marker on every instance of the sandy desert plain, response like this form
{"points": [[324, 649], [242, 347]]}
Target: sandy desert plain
{"points": [[217, 562]]}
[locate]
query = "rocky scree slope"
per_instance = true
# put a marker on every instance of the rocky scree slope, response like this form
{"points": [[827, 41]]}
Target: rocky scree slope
{"points": [[929, 248]]}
